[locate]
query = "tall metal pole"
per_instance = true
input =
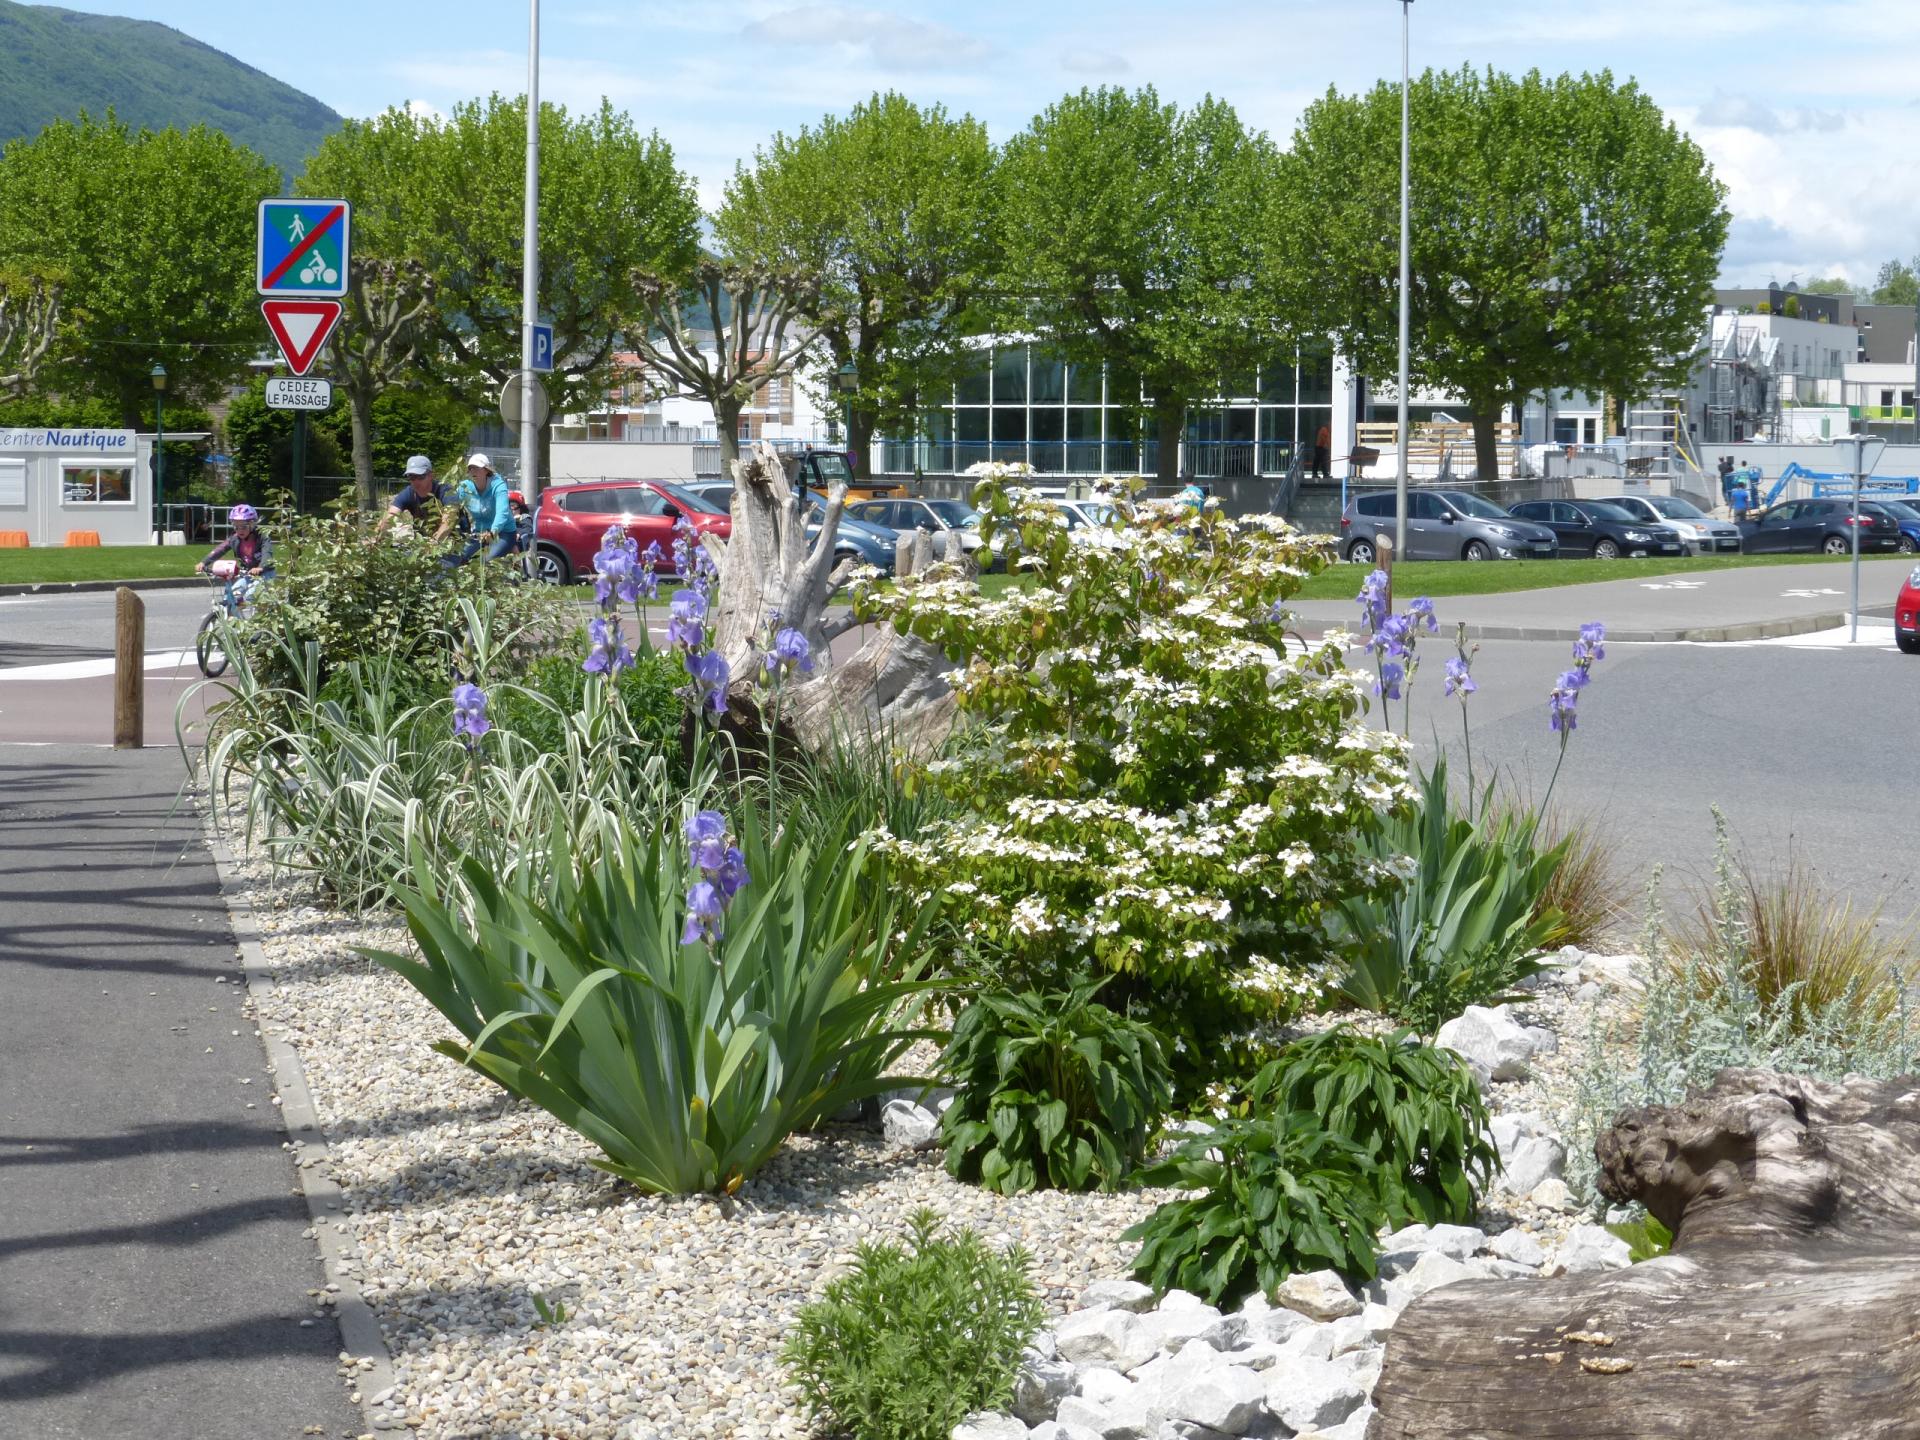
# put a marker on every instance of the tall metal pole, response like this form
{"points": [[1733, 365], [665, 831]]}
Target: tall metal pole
{"points": [[159, 466], [1400, 479], [530, 266], [1859, 446], [1915, 408]]}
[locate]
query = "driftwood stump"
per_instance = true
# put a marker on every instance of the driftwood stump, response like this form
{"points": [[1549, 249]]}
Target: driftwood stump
{"points": [[1789, 1306], [892, 690]]}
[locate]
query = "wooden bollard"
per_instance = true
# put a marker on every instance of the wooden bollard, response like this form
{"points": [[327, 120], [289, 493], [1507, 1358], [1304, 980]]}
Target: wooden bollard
{"points": [[1383, 560], [129, 681]]}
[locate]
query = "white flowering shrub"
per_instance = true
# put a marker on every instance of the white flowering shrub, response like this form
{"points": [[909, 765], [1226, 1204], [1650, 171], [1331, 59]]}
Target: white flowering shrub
{"points": [[1154, 787]]}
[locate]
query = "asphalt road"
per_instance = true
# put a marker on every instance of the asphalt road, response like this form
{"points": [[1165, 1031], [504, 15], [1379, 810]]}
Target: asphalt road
{"points": [[154, 1280], [46, 629], [1803, 749]]}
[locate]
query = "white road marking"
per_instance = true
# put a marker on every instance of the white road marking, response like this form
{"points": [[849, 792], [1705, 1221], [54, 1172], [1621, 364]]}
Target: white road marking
{"points": [[1673, 584], [1809, 594], [103, 665]]}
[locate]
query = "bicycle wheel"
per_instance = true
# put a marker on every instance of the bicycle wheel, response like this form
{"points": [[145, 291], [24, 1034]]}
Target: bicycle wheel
{"points": [[209, 649]]}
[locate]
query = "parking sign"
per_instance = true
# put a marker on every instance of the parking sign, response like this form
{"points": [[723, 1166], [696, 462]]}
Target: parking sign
{"points": [[542, 349], [303, 247]]}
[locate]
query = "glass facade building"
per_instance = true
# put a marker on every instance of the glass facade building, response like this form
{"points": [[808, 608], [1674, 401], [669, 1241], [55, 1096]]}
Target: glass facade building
{"points": [[1016, 402]]}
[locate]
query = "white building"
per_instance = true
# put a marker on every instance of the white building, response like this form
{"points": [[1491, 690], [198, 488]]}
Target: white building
{"points": [[56, 482]]}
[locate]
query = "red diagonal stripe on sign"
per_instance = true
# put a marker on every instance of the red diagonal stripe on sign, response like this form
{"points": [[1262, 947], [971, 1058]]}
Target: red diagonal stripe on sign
{"points": [[313, 236]]}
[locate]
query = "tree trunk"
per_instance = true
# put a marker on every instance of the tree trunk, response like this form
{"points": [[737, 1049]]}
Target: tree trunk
{"points": [[1167, 415], [726, 429], [860, 441], [360, 415], [1486, 437], [891, 691], [1787, 1308]]}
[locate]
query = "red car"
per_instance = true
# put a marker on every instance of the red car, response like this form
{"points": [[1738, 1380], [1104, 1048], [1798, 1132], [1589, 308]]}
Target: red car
{"points": [[1906, 615], [573, 519]]}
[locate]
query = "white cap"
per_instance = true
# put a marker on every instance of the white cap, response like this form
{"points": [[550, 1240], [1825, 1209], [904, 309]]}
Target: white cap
{"points": [[479, 461], [419, 465]]}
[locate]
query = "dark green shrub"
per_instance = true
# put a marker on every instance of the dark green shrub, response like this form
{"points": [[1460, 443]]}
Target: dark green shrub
{"points": [[1464, 927], [555, 686], [1279, 1193], [910, 1342], [1414, 1109], [1057, 1091]]}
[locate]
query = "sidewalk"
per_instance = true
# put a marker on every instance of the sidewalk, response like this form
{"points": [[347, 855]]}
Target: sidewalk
{"points": [[1752, 603], [154, 1276]]}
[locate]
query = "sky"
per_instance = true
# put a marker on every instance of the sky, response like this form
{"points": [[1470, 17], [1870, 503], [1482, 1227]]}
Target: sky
{"points": [[1809, 110]]}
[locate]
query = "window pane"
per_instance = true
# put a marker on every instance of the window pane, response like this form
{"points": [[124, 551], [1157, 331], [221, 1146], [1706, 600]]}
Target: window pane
{"points": [[1047, 427], [1276, 382], [1049, 379], [1010, 375], [1316, 380], [1083, 384], [1083, 439], [970, 437], [937, 428], [1009, 433], [972, 386]]}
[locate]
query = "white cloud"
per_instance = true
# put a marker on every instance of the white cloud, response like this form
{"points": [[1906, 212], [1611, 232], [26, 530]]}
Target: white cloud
{"points": [[1077, 61], [893, 42]]}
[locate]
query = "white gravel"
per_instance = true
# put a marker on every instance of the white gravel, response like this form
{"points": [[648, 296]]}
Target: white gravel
{"points": [[465, 1204]]}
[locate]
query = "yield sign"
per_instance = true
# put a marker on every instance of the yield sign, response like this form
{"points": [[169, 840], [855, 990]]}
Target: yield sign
{"points": [[301, 327]]}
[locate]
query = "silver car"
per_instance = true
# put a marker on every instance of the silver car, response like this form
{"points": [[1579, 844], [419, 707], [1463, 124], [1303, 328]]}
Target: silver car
{"points": [[949, 522], [1443, 525], [1703, 534]]}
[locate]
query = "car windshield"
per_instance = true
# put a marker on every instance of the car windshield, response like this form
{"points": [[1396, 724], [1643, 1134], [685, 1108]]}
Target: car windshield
{"points": [[1905, 511], [1600, 510], [1675, 509], [1477, 506], [952, 513], [1099, 514], [829, 466], [686, 499]]}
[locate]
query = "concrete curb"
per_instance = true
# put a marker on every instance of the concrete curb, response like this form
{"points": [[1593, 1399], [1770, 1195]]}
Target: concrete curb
{"points": [[88, 587], [360, 1334], [1705, 634]]}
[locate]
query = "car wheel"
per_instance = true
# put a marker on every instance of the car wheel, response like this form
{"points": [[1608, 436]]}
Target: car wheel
{"points": [[1836, 545], [550, 566], [1908, 545], [1477, 550], [1360, 552], [1605, 550], [1909, 644]]}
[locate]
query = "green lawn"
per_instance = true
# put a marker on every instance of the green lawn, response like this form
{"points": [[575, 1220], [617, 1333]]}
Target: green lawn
{"points": [[1459, 577], [102, 562]]}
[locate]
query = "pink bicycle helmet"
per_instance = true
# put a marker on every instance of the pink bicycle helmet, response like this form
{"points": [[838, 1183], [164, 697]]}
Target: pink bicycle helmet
{"points": [[242, 511]]}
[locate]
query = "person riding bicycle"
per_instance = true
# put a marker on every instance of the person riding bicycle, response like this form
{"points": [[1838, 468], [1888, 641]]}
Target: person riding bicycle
{"points": [[483, 495], [252, 553], [420, 491]]}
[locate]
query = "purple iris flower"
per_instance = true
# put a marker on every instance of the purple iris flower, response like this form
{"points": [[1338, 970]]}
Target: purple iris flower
{"points": [[687, 620], [1422, 609], [616, 568], [1391, 674], [470, 712], [790, 652], [705, 825], [1574, 679], [1560, 713], [609, 655], [711, 673], [1373, 600], [1459, 679], [722, 875], [1588, 648], [1393, 636], [731, 876], [704, 908]]}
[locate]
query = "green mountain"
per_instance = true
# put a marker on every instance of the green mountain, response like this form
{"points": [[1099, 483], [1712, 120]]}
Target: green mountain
{"points": [[55, 63]]}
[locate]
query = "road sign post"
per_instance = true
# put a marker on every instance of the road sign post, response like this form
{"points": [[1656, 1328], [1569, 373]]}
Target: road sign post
{"points": [[299, 461]]}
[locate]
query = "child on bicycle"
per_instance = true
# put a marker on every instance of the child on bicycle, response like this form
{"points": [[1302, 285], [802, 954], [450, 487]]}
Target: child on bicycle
{"points": [[252, 553]]}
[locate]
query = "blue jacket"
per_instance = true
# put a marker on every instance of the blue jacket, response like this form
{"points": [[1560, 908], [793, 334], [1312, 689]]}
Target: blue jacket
{"points": [[488, 509]]}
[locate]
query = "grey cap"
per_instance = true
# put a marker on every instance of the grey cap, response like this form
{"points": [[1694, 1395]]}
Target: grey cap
{"points": [[419, 465]]}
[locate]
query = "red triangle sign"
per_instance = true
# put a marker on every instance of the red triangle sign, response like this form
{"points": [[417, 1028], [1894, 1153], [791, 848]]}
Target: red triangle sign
{"points": [[301, 327]]}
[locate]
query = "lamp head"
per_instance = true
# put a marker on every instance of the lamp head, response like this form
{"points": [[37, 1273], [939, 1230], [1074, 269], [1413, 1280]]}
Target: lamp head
{"points": [[159, 375]]}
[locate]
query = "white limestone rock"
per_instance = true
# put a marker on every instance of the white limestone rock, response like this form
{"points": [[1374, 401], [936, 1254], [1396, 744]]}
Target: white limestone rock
{"points": [[1520, 1248], [1589, 1248], [1491, 1040], [1307, 1394], [907, 1126], [1039, 1388], [1273, 1325], [1553, 1194], [1094, 1337], [1318, 1295], [1431, 1272], [1129, 1295], [1228, 1398], [989, 1426]]}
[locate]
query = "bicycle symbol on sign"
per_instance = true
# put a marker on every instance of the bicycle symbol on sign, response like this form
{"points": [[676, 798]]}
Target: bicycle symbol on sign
{"points": [[316, 270]]}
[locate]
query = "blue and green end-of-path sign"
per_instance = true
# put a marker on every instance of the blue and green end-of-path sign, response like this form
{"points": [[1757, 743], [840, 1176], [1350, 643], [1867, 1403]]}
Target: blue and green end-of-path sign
{"points": [[303, 247]]}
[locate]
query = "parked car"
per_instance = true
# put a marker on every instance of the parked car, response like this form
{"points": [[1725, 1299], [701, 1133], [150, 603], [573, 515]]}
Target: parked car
{"points": [[853, 537], [1443, 525], [1907, 513], [573, 519], [714, 492], [1699, 531], [949, 522], [1088, 514], [1906, 615], [1593, 527], [1820, 527]]}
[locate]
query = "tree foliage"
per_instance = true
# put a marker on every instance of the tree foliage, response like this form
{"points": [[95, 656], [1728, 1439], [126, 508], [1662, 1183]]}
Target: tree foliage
{"points": [[1898, 283], [1564, 235], [889, 207], [29, 318], [1130, 236], [152, 237]]}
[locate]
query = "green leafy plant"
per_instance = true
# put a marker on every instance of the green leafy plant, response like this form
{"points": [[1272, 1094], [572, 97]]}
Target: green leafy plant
{"points": [[1056, 1091], [1463, 928], [1278, 1193], [911, 1341], [1646, 1237], [1414, 1109], [687, 1064], [554, 687], [1586, 890], [551, 1313]]}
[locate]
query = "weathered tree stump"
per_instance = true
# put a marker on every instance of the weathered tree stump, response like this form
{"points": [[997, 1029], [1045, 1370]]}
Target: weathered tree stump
{"points": [[1789, 1306], [892, 690]]}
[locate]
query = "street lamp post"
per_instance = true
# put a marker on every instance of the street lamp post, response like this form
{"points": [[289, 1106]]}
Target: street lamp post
{"points": [[530, 273], [1400, 480], [846, 380], [159, 376]]}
